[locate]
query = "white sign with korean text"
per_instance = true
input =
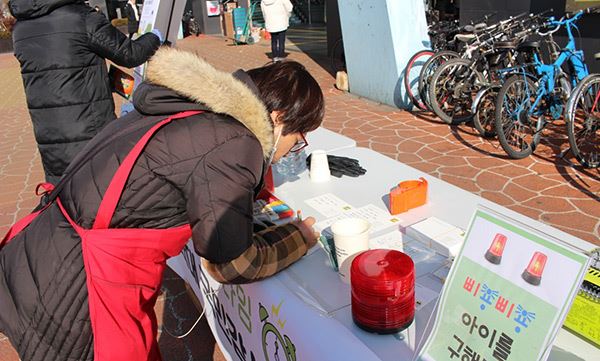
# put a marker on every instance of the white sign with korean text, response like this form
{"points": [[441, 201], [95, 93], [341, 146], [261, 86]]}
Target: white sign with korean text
{"points": [[507, 294]]}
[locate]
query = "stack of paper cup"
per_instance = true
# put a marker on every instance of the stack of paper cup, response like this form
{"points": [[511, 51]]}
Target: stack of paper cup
{"points": [[319, 167], [351, 237]]}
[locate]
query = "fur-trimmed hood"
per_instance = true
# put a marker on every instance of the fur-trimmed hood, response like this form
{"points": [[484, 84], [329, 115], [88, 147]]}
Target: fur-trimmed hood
{"points": [[198, 81]]}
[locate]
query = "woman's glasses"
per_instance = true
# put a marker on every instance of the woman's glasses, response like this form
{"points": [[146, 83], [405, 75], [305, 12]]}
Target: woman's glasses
{"points": [[301, 144]]}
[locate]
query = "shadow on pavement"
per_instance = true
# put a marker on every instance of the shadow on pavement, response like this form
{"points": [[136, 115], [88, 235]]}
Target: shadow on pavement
{"points": [[456, 131], [312, 41], [426, 116], [178, 316], [575, 180]]}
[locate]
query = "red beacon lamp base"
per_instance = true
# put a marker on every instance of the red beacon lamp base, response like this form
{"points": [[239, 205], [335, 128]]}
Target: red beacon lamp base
{"points": [[533, 272], [494, 253], [383, 291]]}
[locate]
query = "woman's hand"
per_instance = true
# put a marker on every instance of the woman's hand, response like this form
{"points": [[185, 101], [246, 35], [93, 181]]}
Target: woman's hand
{"points": [[308, 232]]}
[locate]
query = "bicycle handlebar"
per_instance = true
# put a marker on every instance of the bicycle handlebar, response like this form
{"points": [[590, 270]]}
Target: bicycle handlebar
{"points": [[589, 10], [484, 18], [592, 10], [549, 32], [568, 20], [513, 18], [543, 13]]}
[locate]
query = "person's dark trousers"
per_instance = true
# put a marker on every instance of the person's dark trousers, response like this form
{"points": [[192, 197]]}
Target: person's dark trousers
{"points": [[278, 44]]}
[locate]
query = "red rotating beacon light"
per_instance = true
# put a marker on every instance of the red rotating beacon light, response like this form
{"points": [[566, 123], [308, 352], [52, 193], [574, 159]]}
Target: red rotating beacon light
{"points": [[494, 253], [383, 291], [533, 272]]}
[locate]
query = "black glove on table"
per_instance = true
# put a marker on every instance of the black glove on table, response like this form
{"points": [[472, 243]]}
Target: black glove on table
{"points": [[340, 166]]}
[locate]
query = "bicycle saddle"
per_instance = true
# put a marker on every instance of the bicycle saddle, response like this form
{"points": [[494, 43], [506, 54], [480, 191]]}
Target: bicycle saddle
{"points": [[505, 45], [480, 26], [467, 29], [529, 45], [464, 37]]}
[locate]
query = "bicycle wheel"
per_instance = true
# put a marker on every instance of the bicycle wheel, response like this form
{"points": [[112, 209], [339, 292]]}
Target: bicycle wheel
{"points": [[338, 58], [583, 121], [451, 90], [427, 71], [411, 77], [515, 128], [484, 111]]}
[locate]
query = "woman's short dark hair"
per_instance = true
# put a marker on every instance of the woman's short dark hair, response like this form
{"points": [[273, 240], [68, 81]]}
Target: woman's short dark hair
{"points": [[288, 87]]}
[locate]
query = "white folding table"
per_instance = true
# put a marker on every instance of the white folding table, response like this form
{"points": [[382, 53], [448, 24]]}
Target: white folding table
{"points": [[303, 313]]}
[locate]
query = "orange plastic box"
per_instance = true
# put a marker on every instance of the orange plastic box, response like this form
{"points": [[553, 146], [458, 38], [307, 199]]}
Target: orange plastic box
{"points": [[408, 195]]}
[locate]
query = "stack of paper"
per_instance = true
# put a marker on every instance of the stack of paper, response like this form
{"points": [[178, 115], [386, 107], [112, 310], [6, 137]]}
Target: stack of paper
{"points": [[440, 236]]}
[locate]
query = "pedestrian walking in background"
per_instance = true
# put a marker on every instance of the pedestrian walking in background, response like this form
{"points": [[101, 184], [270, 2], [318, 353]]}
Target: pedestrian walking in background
{"points": [[133, 17], [277, 19], [61, 46], [187, 163]]}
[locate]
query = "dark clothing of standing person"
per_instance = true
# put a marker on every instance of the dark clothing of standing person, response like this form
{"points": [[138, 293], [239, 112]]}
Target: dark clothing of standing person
{"points": [[133, 19], [277, 18], [278, 44], [62, 46]]}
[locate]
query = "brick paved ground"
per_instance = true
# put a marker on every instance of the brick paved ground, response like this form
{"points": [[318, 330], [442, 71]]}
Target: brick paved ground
{"points": [[543, 187]]}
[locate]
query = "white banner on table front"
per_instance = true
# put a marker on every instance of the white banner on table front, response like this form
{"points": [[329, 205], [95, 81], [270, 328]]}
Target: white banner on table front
{"points": [[264, 321]]}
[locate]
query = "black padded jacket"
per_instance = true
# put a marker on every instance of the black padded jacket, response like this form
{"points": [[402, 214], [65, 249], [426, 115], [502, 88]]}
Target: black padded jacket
{"points": [[62, 46], [204, 170]]}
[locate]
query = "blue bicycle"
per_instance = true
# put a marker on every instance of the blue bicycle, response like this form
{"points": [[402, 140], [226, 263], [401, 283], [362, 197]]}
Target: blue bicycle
{"points": [[526, 101]]}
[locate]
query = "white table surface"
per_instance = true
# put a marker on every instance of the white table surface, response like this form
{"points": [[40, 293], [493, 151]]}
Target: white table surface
{"points": [[319, 139], [446, 202], [315, 294], [328, 141]]}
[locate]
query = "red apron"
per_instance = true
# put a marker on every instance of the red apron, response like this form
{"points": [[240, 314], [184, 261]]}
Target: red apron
{"points": [[124, 268]]}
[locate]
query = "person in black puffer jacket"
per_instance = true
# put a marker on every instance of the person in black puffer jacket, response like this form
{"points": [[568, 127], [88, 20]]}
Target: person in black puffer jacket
{"points": [[133, 18], [203, 170], [62, 46]]}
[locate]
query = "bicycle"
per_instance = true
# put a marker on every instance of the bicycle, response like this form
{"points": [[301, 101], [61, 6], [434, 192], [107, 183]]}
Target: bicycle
{"points": [[466, 43], [454, 83], [447, 37], [583, 120], [442, 35], [526, 100], [484, 103]]}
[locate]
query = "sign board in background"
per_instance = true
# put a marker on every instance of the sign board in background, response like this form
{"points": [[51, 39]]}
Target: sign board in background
{"points": [[507, 294], [164, 15], [213, 8]]}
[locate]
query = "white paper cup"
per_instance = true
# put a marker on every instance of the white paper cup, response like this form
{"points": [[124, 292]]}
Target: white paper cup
{"points": [[319, 167], [351, 236]]}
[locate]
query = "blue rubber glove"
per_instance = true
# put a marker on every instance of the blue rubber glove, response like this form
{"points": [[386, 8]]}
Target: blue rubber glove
{"points": [[126, 108], [159, 34]]}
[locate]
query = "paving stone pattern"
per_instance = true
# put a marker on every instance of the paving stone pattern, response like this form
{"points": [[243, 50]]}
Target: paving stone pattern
{"points": [[546, 187], [552, 189]]}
